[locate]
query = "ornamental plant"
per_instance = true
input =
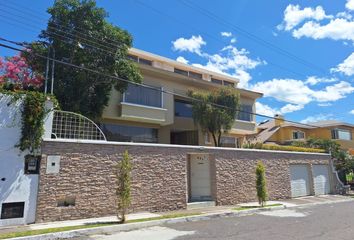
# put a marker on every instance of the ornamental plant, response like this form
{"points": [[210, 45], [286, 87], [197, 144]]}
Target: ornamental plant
{"points": [[15, 74], [261, 184], [123, 189]]}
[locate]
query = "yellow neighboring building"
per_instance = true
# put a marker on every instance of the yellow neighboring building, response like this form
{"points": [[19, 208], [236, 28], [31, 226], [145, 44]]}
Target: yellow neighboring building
{"points": [[149, 115], [281, 132]]}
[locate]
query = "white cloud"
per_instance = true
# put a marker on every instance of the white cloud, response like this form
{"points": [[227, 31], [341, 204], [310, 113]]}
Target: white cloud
{"points": [[298, 93], [231, 61], [288, 90], [313, 80], [182, 60], [336, 29], [350, 4], [344, 15], [233, 40], [352, 111], [294, 15], [316, 118], [288, 108], [346, 67], [192, 44], [265, 109], [226, 34], [269, 111], [334, 92], [324, 104]]}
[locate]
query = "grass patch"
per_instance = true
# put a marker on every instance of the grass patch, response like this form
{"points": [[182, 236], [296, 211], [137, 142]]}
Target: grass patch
{"points": [[51, 230], [167, 216], [63, 229], [255, 207]]}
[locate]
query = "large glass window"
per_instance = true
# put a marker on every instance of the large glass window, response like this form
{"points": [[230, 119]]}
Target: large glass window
{"points": [[123, 133], [183, 108], [342, 134], [148, 96], [245, 113]]}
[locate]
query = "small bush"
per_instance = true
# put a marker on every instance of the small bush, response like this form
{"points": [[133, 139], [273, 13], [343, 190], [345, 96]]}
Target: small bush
{"points": [[123, 190], [261, 184], [282, 148]]}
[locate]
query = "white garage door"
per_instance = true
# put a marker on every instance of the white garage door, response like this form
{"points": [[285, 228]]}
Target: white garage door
{"points": [[321, 179], [299, 177]]}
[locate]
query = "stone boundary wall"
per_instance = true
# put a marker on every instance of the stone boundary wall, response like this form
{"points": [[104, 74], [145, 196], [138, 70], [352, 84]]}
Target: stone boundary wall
{"points": [[159, 177]]}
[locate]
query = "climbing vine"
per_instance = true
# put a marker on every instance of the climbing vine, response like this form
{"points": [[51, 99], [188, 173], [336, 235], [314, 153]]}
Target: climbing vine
{"points": [[33, 113]]}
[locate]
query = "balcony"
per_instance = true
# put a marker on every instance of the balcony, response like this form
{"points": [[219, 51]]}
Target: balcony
{"points": [[143, 104]]}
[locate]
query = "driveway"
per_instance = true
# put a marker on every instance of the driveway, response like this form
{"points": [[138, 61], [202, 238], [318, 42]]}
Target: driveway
{"points": [[326, 221]]}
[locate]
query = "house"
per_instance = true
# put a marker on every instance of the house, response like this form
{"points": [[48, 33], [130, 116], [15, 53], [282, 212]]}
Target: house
{"points": [[148, 115], [281, 132]]}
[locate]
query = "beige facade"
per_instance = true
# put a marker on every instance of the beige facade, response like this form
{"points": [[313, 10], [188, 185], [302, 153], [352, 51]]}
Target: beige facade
{"points": [[157, 110]]}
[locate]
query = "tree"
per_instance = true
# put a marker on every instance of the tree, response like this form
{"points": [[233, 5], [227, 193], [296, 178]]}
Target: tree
{"points": [[213, 119], [123, 190], [80, 34], [15, 74], [261, 184]]}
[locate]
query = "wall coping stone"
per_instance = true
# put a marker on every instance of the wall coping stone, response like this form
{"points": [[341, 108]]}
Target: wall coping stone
{"points": [[175, 146]]}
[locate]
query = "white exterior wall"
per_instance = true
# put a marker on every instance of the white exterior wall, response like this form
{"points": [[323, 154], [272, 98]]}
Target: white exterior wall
{"points": [[17, 186]]}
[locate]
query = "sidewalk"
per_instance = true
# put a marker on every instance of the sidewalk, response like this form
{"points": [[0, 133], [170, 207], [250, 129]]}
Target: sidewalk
{"points": [[187, 214]]}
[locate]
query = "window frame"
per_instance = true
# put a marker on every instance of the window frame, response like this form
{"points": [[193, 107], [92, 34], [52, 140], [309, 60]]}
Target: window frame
{"points": [[160, 89], [297, 132], [335, 134], [181, 101]]}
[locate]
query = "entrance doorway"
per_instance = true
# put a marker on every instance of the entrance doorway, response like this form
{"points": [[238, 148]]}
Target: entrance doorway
{"points": [[200, 179]]}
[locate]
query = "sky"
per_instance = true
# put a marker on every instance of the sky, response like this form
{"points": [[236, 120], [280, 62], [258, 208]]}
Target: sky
{"points": [[299, 54]]}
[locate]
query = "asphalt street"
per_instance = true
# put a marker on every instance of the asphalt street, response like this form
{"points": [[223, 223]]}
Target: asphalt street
{"points": [[326, 221]]}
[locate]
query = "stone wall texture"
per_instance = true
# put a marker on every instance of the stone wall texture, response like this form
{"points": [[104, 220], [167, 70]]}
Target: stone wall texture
{"points": [[159, 177]]}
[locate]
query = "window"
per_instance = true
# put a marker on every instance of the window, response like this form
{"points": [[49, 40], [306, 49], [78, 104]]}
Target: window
{"points": [[216, 81], [133, 58], [143, 95], [145, 61], [245, 113], [195, 75], [123, 133], [341, 134], [180, 71], [228, 141], [183, 108], [298, 135], [32, 164], [12, 210], [229, 84]]}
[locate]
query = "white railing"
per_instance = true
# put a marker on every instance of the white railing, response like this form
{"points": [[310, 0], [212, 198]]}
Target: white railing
{"points": [[70, 125]]}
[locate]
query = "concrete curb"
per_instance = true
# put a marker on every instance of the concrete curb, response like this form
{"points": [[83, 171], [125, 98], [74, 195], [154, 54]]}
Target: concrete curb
{"points": [[138, 225]]}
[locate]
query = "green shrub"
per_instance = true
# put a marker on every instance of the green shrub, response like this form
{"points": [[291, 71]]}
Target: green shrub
{"points": [[123, 190], [292, 148], [261, 184]]}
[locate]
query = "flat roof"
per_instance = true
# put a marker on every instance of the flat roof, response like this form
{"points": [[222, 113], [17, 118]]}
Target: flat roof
{"points": [[149, 56]]}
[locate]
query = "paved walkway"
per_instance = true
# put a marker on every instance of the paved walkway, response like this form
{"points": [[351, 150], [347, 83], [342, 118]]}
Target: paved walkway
{"points": [[144, 215]]}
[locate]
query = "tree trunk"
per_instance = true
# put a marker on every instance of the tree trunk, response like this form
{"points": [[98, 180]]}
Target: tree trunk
{"points": [[214, 138], [219, 139]]}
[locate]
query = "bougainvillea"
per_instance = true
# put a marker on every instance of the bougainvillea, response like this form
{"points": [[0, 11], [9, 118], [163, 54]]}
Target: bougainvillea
{"points": [[15, 74]]}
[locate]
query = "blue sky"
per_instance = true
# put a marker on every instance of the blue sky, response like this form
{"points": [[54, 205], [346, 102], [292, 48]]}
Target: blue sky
{"points": [[256, 41]]}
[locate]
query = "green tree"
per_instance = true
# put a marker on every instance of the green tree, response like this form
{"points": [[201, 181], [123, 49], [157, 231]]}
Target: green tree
{"points": [[213, 119], [261, 184], [80, 34], [123, 190]]}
